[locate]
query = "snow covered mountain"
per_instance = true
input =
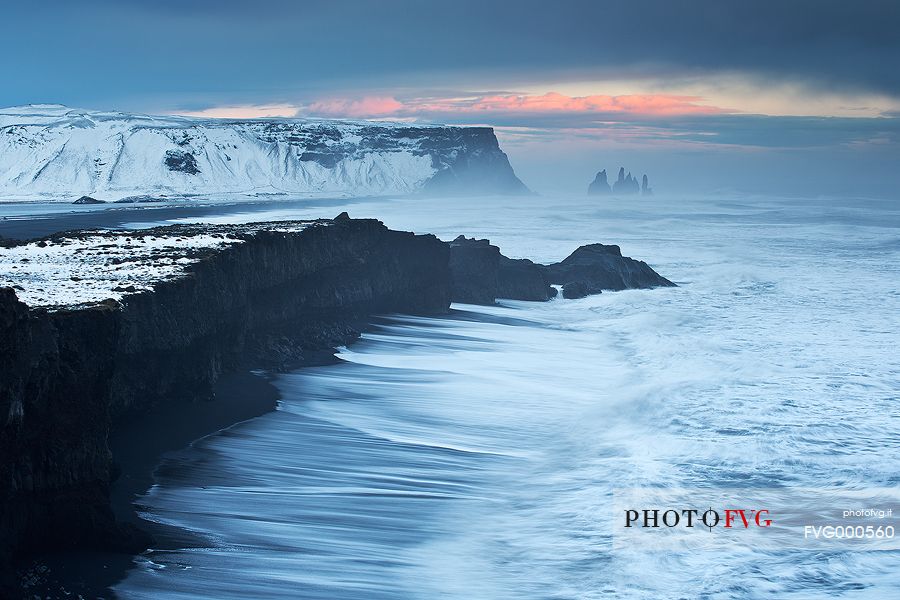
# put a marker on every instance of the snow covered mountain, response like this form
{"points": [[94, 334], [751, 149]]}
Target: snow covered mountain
{"points": [[52, 152]]}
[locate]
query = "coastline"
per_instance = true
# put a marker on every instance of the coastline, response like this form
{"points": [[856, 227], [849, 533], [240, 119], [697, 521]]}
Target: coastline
{"points": [[21, 224], [132, 379], [238, 396], [279, 299]]}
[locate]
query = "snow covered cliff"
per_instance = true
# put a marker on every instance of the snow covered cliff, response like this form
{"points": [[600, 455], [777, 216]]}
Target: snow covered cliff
{"points": [[51, 152]]}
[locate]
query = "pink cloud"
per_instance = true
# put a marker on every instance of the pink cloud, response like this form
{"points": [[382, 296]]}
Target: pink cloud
{"points": [[551, 102], [370, 106], [243, 111]]}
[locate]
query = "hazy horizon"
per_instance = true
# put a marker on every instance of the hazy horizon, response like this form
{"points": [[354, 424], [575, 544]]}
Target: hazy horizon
{"points": [[799, 98]]}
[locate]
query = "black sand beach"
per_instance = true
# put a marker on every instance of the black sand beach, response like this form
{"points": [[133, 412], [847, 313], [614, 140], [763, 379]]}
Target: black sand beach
{"points": [[20, 221], [138, 445]]}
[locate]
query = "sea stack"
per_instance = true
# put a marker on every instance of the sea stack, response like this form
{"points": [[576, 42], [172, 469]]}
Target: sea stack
{"points": [[600, 186], [646, 190], [625, 184]]}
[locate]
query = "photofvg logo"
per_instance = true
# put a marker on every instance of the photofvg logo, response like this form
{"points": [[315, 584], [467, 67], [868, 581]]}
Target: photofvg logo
{"points": [[774, 518], [691, 517]]}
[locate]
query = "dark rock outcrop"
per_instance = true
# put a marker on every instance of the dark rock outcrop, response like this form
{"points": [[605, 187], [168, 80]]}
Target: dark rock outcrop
{"points": [[522, 279], [474, 269], [480, 274], [580, 289], [600, 186], [181, 161], [68, 375], [88, 200], [596, 267]]}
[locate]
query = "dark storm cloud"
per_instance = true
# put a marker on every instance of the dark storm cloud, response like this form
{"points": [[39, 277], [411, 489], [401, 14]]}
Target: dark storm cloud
{"points": [[790, 132], [87, 51]]}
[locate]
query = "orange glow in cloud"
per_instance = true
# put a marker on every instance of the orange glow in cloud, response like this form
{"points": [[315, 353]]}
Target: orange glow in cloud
{"points": [[552, 102]]}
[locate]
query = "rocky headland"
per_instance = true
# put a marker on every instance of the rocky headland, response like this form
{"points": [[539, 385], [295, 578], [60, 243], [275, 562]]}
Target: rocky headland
{"points": [[596, 267]]}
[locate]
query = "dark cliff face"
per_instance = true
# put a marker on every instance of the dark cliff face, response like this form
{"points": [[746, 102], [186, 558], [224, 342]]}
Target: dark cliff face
{"points": [[473, 270], [480, 274], [292, 292], [522, 279], [55, 467], [66, 375], [182, 162]]}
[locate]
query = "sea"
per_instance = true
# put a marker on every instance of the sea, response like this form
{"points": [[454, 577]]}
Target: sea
{"points": [[479, 454]]}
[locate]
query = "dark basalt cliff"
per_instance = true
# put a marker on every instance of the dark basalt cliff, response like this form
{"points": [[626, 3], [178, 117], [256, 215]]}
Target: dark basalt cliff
{"points": [[67, 375], [480, 274]]}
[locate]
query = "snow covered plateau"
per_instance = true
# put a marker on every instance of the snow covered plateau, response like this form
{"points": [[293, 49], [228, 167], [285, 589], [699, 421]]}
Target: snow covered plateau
{"points": [[56, 153]]}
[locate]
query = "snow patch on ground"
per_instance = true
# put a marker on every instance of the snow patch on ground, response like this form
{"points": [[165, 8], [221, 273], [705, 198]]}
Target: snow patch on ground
{"points": [[87, 267]]}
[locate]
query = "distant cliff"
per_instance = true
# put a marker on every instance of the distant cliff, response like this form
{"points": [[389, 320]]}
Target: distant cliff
{"points": [[54, 152]]}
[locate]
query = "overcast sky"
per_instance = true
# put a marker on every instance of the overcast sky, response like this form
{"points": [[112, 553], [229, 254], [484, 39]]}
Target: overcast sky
{"points": [[800, 96]]}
